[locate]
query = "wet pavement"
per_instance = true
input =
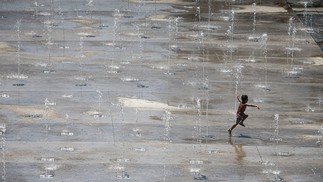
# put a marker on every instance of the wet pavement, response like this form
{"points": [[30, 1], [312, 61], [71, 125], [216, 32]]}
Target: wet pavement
{"points": [[140, 90]]}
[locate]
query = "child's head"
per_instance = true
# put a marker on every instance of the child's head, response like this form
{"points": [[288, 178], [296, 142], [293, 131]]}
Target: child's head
{"points": [[244, 98]]}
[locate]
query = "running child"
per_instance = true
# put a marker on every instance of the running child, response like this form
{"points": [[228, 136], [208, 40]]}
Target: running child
{"points": [[241, 116]]}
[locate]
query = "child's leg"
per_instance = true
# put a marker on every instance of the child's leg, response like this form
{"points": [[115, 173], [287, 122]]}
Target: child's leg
{"points": [[243, 118], [233, 126], [239, 119]]}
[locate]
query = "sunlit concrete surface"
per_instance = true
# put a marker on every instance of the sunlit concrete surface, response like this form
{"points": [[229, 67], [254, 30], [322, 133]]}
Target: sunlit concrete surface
{"points": [[136, 90]]}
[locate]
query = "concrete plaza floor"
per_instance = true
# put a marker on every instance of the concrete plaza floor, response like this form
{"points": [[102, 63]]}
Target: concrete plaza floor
{"points": [[136, 90]]}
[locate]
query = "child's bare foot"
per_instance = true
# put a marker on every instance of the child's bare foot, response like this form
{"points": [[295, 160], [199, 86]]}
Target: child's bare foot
{"points": [[229, 132], [242, 124]]}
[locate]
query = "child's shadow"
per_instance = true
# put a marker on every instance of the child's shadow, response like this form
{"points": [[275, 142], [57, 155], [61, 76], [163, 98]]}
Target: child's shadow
{"points": [[244, 136], [239, 151]]}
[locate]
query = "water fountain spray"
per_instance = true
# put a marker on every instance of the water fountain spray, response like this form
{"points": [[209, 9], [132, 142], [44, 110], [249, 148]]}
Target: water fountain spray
{"points": [[197, 126], [209, 15], [290, 49], [48, 173], [319, 142], [3, 151], [198, 13], [67, 132], [231, 28], [276, 137], [291, 39], [100, 98], [172, 32], [112, 124], [18, 76], [167, 117], [115, 26], [141, 48], [196, 163], [36, 9], [308, 18], [81, 56], [18, 24], [264, 40], [90, 6], [49, 41], [254, 37], [237, 79], [254, 19]]}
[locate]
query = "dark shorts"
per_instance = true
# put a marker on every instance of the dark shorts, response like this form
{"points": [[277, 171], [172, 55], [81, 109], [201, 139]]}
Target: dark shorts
{"points": [[239, 118]]}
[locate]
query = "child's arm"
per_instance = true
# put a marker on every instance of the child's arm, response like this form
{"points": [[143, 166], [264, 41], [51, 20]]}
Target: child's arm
{"points": [[238, 97], [250, 105]]}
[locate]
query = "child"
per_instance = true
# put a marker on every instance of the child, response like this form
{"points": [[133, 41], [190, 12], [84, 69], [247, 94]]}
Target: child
{"points": [[241, 116]]}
